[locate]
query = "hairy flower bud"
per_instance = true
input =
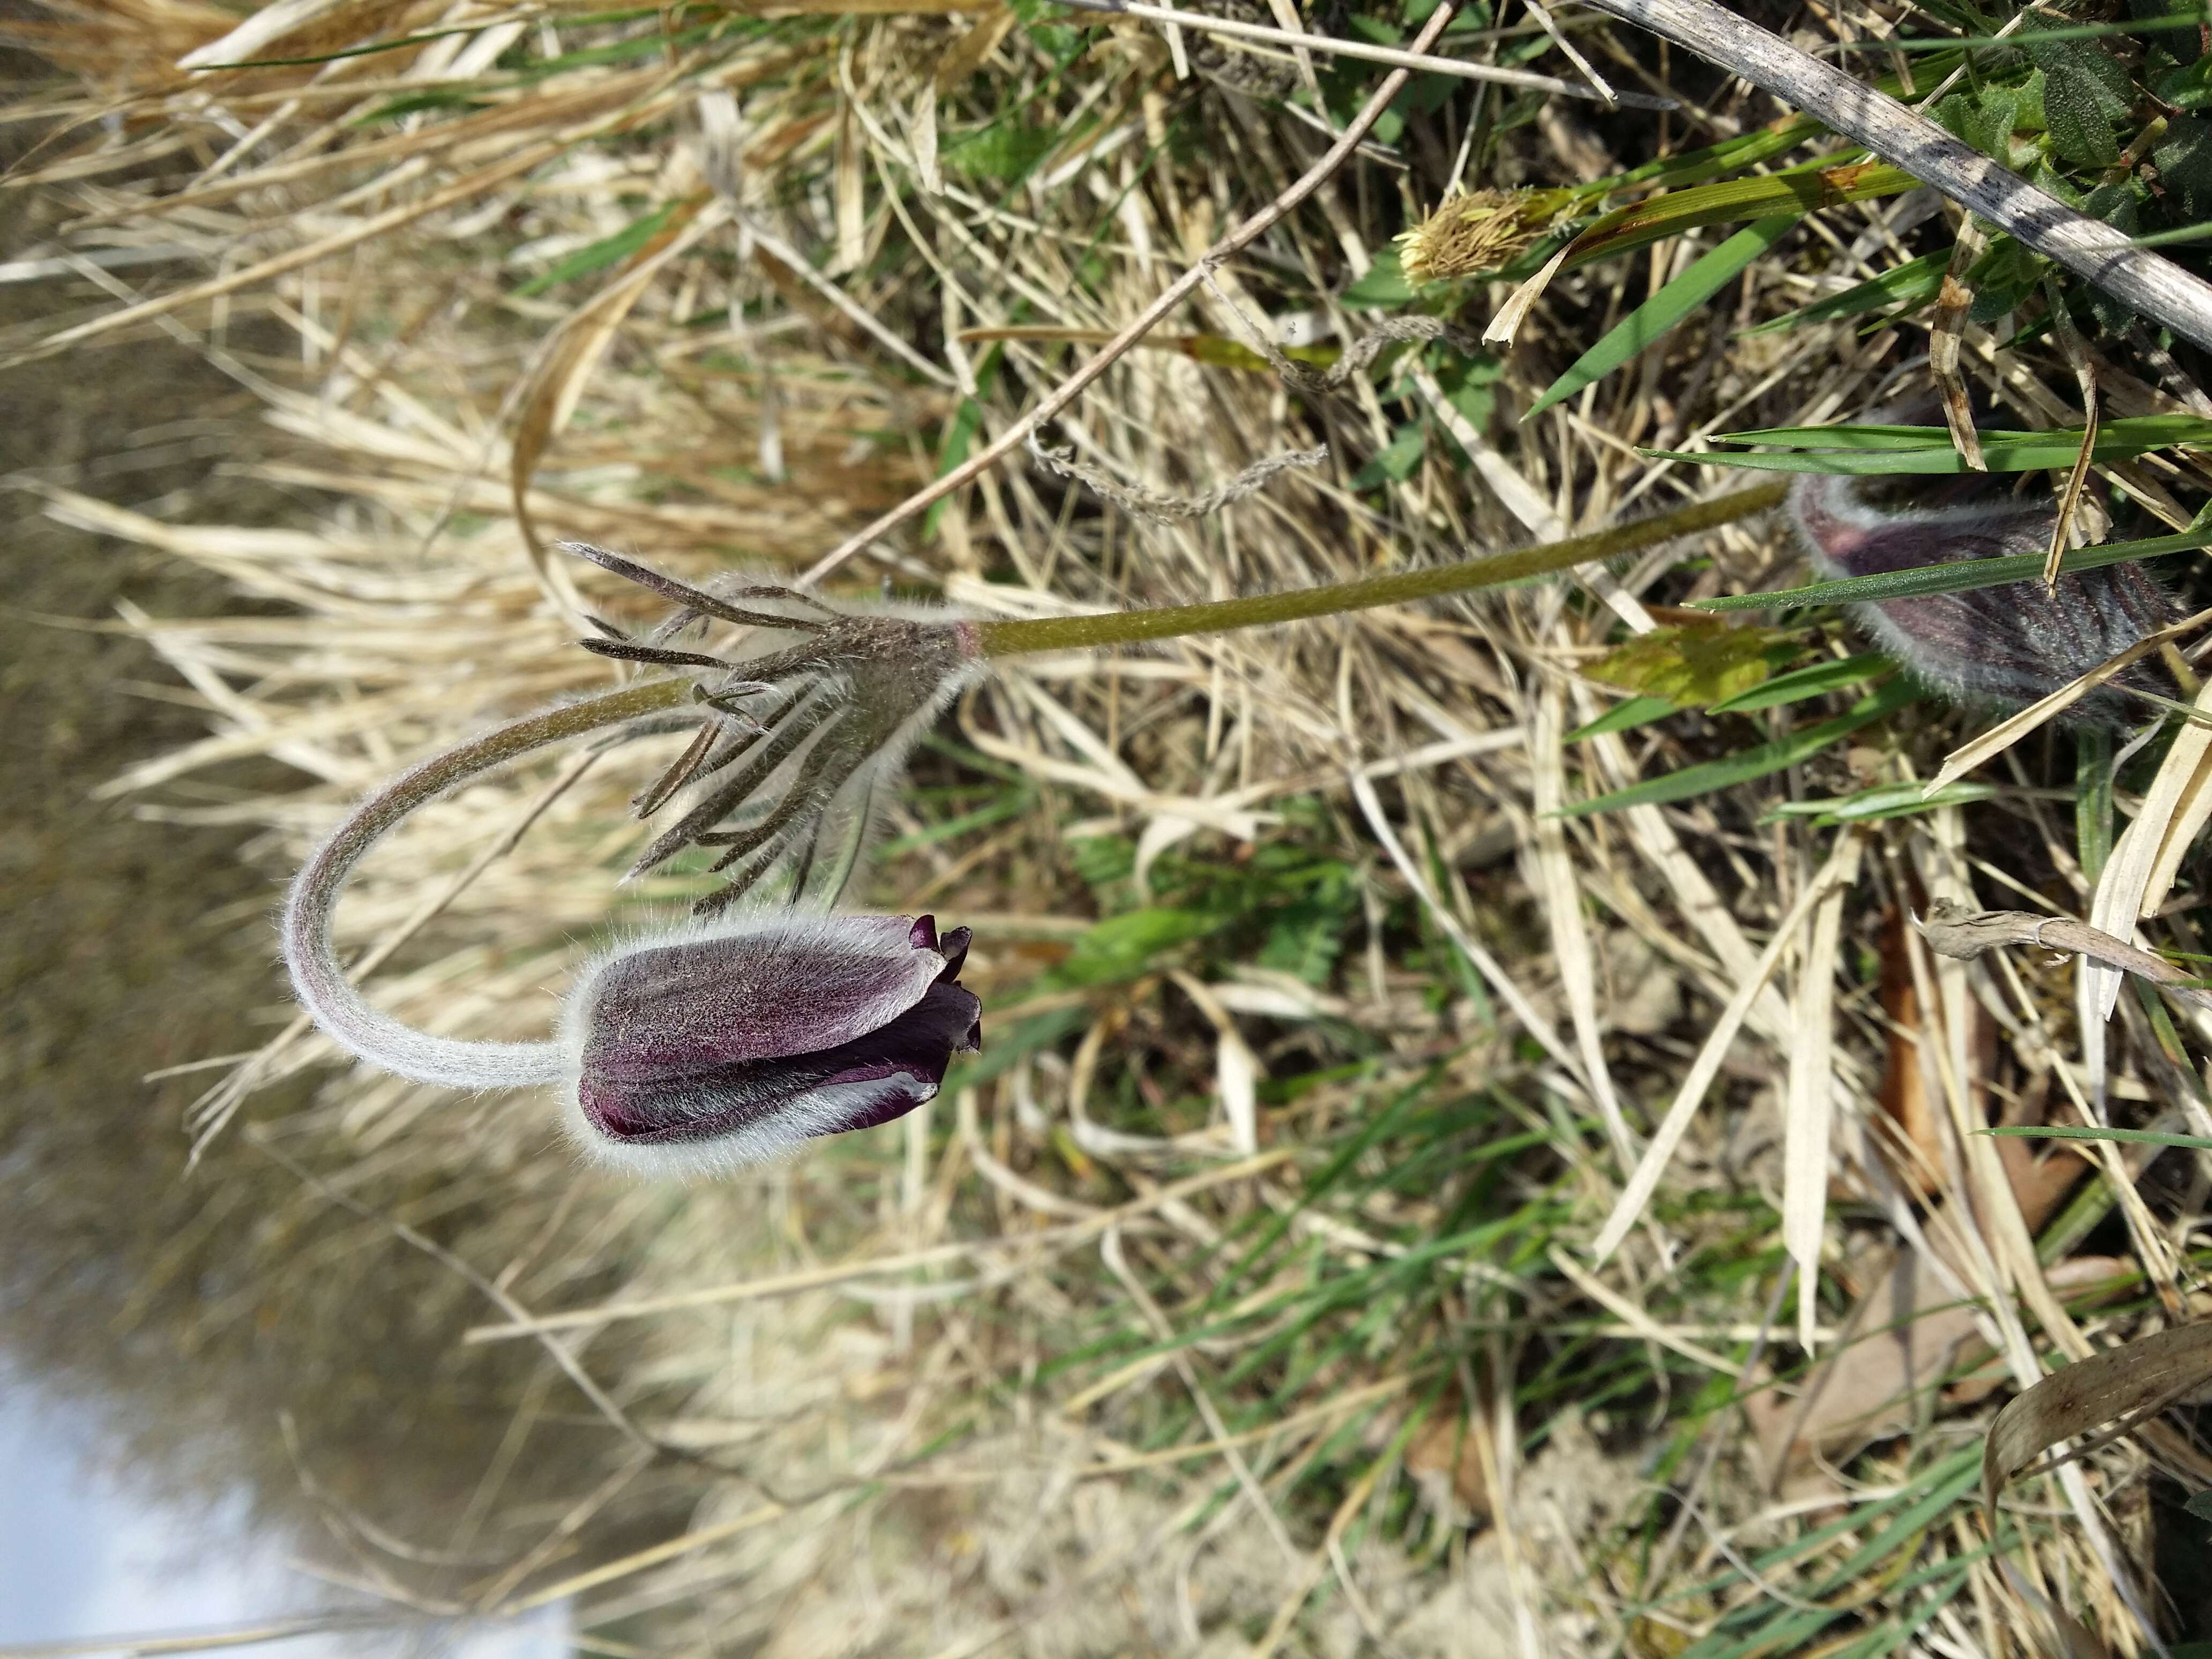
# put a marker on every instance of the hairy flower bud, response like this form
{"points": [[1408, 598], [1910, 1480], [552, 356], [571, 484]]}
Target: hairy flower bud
{"points": [[2008, 645], [734, 1040]]}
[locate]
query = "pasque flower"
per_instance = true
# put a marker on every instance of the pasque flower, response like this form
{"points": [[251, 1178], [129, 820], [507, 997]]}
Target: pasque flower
{"points": [[2008, 645], [737, 1038], [753, 1026]]}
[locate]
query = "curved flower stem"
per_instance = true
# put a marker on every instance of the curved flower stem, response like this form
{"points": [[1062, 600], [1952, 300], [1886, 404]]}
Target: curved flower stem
{"points": [[321, 980], [1006, 639], [331, 1000]]}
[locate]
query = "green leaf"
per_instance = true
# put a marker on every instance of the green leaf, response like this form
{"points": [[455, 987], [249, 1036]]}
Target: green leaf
{"points": [[606, 251], [1984, 117], [1397, 462], [2199, 1504], [1004, 151], [1636, 711], [1927, 450], [1911, 282], [1121, 947], [1960, 576], [1749, 764], [2080, 110], [2141, 1137], [2184, 164], [1801, 683], [1383, 287], [2003, 277], [1888, 800], [1644, 326], [1698, 662]]}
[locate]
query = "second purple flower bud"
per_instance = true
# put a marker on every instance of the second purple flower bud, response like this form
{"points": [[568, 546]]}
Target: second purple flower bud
{"points": [[2009, 645]]}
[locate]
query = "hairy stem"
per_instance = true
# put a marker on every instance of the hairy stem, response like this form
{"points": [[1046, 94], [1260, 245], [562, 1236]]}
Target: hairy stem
{"points": [[1006, 639], [321, 980]]}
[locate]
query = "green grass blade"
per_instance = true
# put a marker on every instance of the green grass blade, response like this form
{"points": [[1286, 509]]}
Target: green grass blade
{"points": [[1960, 576], [1803, 683], [606, 251], [1908, 284], [1749, 764], [1895, 449], [1636, 711], [2144, 1137], [1887, 800], [1644, 326]]}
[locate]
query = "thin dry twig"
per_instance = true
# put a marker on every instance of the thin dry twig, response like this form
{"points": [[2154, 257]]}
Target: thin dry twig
{"points": [[1426, 62], [2091, 249]]}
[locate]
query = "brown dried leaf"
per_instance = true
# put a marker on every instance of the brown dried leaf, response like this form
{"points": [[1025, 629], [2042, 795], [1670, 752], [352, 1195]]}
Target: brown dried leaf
{"points": [[1953, 302], [2136, 1381]]}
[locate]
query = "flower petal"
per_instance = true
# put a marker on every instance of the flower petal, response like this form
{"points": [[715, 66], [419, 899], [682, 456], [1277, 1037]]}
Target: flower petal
{"points": [[756, 992], [872, 1079]]}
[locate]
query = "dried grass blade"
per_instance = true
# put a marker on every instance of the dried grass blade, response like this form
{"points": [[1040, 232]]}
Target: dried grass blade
{"points": [[461, 189], [1552, 875], [2126, 886], [1488, 966], [1236, 1069], [1511, 315], [2085, 377], [555, 384], [1953, 299], [638, 1562], [2189, 819], [1810, 1096], [1952, 931], [268, 24], [1645, 1180]]}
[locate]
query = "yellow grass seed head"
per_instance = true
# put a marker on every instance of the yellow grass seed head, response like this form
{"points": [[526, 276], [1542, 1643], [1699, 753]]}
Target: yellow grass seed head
{"points": [[1476, 232]]}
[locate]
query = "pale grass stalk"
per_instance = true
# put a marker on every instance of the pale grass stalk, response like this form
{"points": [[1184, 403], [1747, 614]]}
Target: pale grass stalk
{"points": [[1018, 432], [781, 1284], [1635, 1320], [1162, 1330], [1551, 872], [2126, 889], [685, 1544], [1809, 1097], [1492, 971], [1645, 1180], [1425, 62], [1991, 1234], [1700, 903], [1310, 1571]]}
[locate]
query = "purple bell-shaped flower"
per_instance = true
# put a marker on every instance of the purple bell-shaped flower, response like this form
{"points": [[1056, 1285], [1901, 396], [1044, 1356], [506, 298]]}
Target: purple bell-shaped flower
{"points": [[736, 1039]]}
